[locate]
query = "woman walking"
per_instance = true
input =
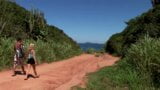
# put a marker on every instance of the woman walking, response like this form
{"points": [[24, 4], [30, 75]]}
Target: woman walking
{"points": [[31, 62]]}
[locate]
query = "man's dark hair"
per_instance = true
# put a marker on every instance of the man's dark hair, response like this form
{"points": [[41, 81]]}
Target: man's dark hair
{"points": [[19, 39]]}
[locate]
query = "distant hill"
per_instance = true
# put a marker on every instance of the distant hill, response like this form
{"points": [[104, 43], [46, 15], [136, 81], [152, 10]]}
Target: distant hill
{"points": [[88, 45], [16, 21]]}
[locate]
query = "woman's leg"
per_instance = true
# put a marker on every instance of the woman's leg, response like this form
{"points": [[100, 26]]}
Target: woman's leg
{"points": [[28, 71], [14, 68], [29, 68], [34, 70]]}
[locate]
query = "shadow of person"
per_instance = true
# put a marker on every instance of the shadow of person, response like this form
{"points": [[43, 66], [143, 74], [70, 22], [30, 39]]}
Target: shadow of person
{"points": [[31, 76], [19, 73]]}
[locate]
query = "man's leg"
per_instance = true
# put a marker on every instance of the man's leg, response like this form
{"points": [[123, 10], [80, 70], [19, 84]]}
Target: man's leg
{"points": [[23, 70], [22, 66], [14, 68]]}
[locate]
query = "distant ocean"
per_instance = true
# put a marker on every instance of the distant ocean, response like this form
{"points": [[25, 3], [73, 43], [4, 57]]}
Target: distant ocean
{"points": [[86, 46]]}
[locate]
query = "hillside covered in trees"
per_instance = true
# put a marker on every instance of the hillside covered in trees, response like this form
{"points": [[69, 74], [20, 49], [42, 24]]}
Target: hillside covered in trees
{"points": [[51, 42], [146, 24]]}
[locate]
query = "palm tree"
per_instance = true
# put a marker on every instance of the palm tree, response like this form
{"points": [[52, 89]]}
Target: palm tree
{"points": [[155, 2]]}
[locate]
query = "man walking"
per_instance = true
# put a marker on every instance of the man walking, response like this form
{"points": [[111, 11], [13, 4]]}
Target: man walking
{"points": [[19, 56]]}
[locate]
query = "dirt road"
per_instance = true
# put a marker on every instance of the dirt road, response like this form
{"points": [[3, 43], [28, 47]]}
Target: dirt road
{"points": [[58, 75]]}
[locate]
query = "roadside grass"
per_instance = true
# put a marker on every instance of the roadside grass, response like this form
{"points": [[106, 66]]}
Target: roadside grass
{"points": [[138, 70], [116, 78]]}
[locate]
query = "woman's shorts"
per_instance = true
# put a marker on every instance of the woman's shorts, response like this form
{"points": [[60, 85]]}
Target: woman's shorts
{"points": [[31, 61]]}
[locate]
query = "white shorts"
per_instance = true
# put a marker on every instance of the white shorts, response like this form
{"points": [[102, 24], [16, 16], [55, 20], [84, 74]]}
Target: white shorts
{"points": [[17, 61]]}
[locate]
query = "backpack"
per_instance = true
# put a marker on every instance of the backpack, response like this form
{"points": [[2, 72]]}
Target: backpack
{"points": [[20, 52]]}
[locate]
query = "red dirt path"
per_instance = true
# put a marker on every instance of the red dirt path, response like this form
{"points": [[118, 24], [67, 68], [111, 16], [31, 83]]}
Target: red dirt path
{"points": [[60, 75]]}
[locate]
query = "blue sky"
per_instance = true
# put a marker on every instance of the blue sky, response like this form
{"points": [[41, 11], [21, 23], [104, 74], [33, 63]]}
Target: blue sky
{"points": [[89, 20]]}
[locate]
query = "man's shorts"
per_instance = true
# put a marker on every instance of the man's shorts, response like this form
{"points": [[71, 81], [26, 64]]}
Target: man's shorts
{"points": [[17, 61]]}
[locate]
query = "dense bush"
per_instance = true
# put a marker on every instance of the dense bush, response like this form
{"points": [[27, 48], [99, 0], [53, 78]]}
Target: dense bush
{"points": [[147, 23], [114, 44], [6, 53]]}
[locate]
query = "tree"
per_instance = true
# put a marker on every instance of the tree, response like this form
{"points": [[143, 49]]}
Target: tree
{"points": [[155, 2]]}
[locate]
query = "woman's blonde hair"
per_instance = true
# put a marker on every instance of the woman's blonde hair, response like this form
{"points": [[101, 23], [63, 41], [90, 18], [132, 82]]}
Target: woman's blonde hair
{"points": [[31, 45]]}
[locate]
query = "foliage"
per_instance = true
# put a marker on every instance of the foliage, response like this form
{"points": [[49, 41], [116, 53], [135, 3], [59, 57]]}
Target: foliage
{"points": [[28, 24], [146, 59], [52, 43], [117, 78], [91, 51], [45, 51], [6, 53], [114, 44], [138, 70], [147, 23]]}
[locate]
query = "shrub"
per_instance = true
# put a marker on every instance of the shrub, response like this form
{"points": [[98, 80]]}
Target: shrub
{"points": [[91, 51], [114, 44], [144, 56], [6, 53]]}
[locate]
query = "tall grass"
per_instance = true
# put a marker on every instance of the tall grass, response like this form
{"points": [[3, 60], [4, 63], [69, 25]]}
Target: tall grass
{"points": [[45, 51], [144, 57], [6, 53], [138, 70]]}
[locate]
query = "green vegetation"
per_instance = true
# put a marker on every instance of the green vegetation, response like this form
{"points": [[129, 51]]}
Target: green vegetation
{"points": [[143, 57], [52, 44], [46, 51], [95, 52], [139, 67], [91, 51], [138, 70], [147, 23]]}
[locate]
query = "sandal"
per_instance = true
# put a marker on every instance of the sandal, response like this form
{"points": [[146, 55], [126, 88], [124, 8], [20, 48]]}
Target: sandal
{"points": [[13, 75], [37, 76]]}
